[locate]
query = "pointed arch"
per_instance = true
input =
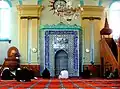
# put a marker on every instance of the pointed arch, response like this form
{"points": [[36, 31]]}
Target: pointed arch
{"points": [[4, 4], [114, 19], [61, 61], [4, 20]]}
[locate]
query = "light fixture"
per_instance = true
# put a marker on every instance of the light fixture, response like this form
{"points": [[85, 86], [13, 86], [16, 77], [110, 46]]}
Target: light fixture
{"points": [[87, 50], [34, 50], [64, 8]]}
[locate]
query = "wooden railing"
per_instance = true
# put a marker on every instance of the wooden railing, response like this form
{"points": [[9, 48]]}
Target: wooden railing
{"points": [[107, 55], [113, 47]]}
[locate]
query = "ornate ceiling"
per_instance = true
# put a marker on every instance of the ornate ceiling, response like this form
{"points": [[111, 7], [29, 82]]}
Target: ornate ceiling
{"points": [[105, 3]]}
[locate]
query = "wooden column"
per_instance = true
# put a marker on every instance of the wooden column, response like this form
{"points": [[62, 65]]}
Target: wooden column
{"points": [[118, 47]]}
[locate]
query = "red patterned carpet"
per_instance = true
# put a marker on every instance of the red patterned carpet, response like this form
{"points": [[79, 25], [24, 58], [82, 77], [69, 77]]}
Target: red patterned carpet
{"points": [[62, 84]]}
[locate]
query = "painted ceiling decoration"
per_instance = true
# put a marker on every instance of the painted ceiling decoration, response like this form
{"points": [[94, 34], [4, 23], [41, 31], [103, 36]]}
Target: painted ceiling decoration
{"points": [[9, 2], [100, 3], [82, 2], [39, 2], [20, 2]]}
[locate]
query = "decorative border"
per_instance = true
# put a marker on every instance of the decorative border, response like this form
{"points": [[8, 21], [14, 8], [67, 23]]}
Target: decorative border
{"points": [[60, 26], [74, 33]]}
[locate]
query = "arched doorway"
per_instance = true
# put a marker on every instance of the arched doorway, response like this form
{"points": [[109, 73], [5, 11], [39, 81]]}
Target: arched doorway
{"points": [[61, 61]]}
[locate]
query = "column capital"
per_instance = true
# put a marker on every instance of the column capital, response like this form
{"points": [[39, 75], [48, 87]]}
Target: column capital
{"points": [[29, 10], [92, 11]]}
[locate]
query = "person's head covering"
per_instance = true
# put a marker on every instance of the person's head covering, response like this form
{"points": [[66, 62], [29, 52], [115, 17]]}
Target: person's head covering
{"points": [[64, 74], [5, 68], [18, 68]]}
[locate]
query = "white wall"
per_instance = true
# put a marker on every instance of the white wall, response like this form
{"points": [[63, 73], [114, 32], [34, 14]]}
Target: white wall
{"points": [[13, 33]]}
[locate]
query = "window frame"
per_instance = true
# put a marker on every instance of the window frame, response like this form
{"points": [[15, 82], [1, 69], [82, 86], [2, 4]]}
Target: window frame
{"points": [[6, 6], [111, 11]]}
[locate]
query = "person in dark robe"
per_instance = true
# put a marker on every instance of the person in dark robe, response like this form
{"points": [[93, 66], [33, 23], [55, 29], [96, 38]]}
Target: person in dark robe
{"points": [[46, 74], [114, 74], [26, 74], [18, 74], [7, 75], [86, 73], [31, 74], [107, 73], [23, 75]]}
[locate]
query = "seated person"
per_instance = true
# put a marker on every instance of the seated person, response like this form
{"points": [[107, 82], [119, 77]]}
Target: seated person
{"points": [[18, 74], [23, 74], [63, 74], [86, 73], [46, 74], [114, 74], [26, 74], [6, 74], [32, 74], [107, 73]]}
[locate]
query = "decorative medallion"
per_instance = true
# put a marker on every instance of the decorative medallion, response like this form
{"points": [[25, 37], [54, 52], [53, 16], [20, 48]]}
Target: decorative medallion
{"points": [[64, 8], [58, 6]]}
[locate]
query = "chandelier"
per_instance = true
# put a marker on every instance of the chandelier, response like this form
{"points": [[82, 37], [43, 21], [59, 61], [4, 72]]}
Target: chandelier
{"points": [[64, 8]]}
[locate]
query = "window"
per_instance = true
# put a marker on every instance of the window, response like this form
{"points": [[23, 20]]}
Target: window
{"points": [[114, 19], [4, 20]]}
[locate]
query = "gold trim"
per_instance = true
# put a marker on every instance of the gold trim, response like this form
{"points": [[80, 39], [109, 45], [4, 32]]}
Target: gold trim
{"points": [[93, 8], [30, 7]]}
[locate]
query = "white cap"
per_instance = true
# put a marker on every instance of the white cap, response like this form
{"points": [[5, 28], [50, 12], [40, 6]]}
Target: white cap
{"points": [[17, 57], [6, 68], [18, 68]]}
